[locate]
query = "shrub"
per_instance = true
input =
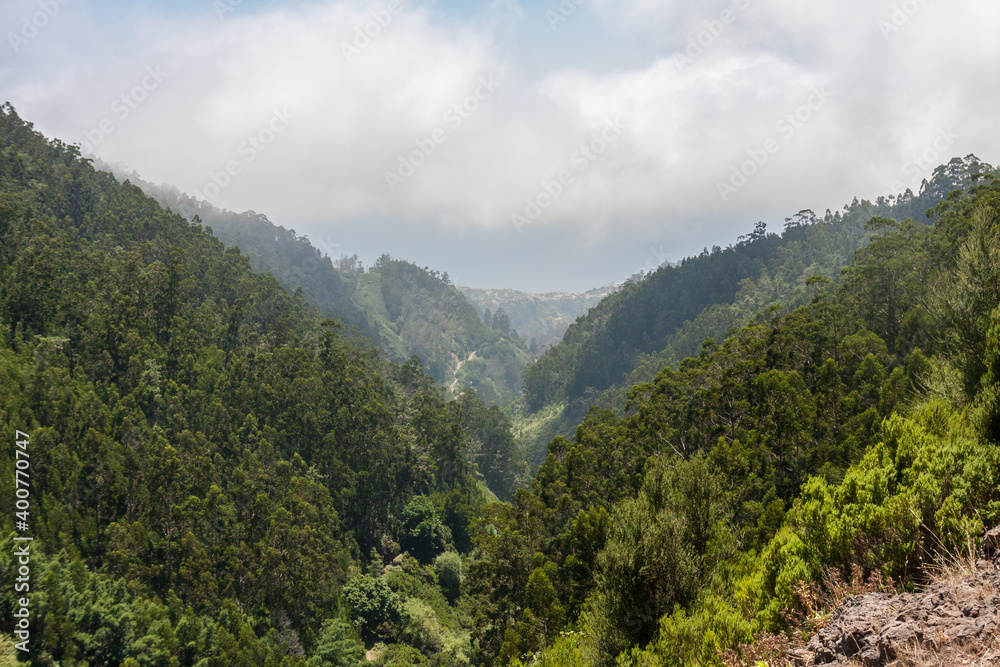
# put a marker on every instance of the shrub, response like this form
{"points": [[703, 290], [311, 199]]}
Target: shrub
{"points": [[448, 567]]}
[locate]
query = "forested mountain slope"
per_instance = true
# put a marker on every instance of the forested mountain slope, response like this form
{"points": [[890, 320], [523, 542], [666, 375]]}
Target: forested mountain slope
{"points": [[402, 308], [667, 315], [854, 438], [218, 476], [213, 468]]}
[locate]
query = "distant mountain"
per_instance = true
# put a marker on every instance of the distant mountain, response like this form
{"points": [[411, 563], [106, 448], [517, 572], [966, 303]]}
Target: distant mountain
{"points": [[539, 318], [401, 308]]}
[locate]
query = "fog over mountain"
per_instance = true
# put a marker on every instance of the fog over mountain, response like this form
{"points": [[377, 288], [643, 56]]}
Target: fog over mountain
{"points": [[487, 138]]}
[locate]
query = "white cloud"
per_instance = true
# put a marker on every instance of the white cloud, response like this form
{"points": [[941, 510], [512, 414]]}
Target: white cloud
{"points": [[686, 126]]}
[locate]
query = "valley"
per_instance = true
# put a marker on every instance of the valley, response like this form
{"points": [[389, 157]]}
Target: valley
{"points": [[244, 451]]}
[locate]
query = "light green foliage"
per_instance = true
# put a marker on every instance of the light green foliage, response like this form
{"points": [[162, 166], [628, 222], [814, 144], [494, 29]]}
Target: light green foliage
{"points": [[436, 626], [683, 641], [448, 567], [910, 496], [423, 629], [569, 649], [8, 651]]}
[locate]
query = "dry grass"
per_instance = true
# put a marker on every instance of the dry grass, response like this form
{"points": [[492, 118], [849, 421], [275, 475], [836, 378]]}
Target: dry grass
{"points": [[957, 573], [946, 654], [817, 603], [771, 649]]}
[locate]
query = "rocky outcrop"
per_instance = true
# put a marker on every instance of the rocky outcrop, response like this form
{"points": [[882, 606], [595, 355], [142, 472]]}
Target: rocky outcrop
{"points": [[872, 629]]}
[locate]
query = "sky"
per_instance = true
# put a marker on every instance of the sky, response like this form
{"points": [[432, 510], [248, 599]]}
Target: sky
{"points": [[550, 145]]}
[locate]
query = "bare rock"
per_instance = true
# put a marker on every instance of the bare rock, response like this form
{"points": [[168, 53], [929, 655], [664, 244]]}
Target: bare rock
{"points": [[869, 629]]}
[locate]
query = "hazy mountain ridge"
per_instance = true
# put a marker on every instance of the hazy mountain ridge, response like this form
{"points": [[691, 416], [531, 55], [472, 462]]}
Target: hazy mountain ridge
{"points": [[541, 318], [665, 316], [401, 308]]}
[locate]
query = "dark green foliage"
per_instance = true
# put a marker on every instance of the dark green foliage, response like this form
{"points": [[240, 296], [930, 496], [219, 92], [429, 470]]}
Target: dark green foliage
{"points": [[664, 317], [376, 610], [499, 458], [423, 534], [662, 548], [401, 308], [196, 431], [778, 453], [211, 462]]}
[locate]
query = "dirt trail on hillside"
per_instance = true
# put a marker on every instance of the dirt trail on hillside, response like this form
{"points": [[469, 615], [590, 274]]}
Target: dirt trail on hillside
{"points": [[458, 368]]}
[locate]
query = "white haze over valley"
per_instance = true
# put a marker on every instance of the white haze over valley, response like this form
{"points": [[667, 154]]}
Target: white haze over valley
{"points": [[532, 145]]}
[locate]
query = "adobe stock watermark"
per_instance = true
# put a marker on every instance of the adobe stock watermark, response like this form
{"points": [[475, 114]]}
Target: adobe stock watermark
{"points": [[31, 25], [562, 13], [223, 7], [327, 245], [122, 108], [899, 17], [657, 258], [699, 43], [247, 151], [455, 117], [372, 28], [22, 543], [581, 159], [925, 161], [786, 127], [324, 248]]}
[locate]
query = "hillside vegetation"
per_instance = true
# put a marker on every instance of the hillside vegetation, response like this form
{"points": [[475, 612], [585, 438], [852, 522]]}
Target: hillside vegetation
{"points": [[221, 475], [856, 432], [401, 308], [665, 317], [216, 474]]}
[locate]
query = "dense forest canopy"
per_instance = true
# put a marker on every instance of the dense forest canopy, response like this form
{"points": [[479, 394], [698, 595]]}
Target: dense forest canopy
{"points": [[856, 431]]}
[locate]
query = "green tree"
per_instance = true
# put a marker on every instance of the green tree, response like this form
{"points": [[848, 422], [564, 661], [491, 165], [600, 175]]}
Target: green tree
{"points": [[338, 646], [423, 534], [448, 567], [662, 547], [376, 610]]}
